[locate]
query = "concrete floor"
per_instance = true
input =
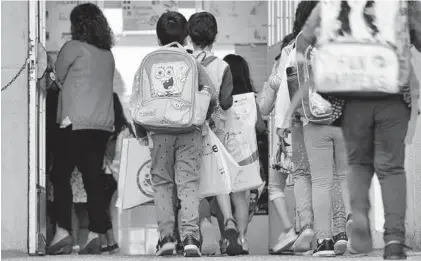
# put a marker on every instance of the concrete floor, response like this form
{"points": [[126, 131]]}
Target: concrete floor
{"points": [[376, 255]]}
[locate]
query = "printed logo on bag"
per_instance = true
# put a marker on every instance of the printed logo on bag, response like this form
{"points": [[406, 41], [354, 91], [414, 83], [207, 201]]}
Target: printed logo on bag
{"points": [[144, 182], [215, 148], [168, 79], [361, 46]]}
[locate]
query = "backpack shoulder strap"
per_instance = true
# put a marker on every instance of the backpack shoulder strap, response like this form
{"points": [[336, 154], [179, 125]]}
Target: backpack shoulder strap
{"points": [[208, 60]]}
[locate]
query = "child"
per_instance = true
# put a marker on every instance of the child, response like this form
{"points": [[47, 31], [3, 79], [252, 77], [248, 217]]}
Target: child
{"points": [[203, 29], [175, 159], [375, 131], [242, 84], [122, 130]]}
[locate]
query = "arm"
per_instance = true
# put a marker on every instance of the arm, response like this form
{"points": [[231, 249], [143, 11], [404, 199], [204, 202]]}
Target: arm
{"points": [[204, 80], [268, 96], [66, 57], [260, 123], [414, 16], [225, 95]]}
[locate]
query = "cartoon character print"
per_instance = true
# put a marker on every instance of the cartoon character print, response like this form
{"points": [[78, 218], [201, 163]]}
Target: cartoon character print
{"points": [[177, 111], [168, 78]]}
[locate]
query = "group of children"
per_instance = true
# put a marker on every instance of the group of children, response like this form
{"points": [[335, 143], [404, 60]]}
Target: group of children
{"points": [[365, 116], [176, 155]]}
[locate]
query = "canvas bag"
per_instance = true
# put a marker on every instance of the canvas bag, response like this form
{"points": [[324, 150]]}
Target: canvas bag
{"points": [[166, 97], [134, 179], [357, 57], [239, 138], [217, 167]]}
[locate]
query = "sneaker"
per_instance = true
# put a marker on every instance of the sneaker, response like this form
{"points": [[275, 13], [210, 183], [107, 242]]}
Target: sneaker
{"points": [[191, 247], [110, 249], [359, 237], [223, 246], [285, 241], [394, 251], [340, 242], [303, 242], [325, 248], [166, 246]]}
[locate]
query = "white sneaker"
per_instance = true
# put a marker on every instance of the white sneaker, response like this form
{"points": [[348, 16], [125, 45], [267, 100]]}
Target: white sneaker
{"points": [[285, 241]]}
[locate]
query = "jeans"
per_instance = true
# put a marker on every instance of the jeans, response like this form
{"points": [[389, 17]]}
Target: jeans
{"points": [[375, 132], [303, 184], [84, 149], [327, 155]]}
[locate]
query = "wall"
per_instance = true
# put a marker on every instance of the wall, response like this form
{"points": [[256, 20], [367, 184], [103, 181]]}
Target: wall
{"points": [[14, 127]]}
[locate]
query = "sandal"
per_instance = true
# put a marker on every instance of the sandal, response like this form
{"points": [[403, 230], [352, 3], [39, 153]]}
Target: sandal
{"points": [[231, 235]]}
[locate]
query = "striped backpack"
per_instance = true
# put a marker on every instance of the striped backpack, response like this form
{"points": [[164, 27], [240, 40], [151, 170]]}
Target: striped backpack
{"points": [[363, 48]]}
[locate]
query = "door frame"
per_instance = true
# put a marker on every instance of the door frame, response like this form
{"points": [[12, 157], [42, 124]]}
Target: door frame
{"points": [[36, 132]]}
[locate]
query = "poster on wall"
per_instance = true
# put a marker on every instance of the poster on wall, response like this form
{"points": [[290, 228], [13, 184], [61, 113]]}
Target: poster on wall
{"points": [[58, 22], [143, 15], [244, 22]]}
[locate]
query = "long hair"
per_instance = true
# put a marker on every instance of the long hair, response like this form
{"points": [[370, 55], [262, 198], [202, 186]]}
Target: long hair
{"points": [[120, 120], [302, 12], [240, 74], [91, 26]]}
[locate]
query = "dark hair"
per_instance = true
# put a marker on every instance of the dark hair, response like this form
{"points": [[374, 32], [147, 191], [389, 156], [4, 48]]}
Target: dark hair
{"points": [[240, 74], [91, 26], [120, 120], [302, 12], [203, 29], [287, 39], [171, 27]]}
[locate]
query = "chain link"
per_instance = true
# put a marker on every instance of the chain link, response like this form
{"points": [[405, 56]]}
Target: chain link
{"points": [[17, 75]]}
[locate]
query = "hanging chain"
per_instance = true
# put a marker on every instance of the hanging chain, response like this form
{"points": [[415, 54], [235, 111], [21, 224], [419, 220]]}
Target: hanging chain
{"points": [[17, 75]]}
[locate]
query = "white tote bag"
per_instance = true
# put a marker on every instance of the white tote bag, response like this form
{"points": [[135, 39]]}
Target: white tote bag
{"points": [[217, 167], [134, 181], [239, 137]]}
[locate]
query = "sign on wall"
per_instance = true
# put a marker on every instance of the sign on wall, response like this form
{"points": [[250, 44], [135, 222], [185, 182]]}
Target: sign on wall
{"points": [[58, 22], [240, 22], [143, 15]]}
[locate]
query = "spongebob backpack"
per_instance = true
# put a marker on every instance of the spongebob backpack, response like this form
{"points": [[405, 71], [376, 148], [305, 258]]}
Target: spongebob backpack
{"points": [[166, 96], [362, 48]]}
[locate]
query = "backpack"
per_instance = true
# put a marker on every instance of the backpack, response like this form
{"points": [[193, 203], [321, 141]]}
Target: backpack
{"points": [[315, 108], [362, 48], [166, 97]]}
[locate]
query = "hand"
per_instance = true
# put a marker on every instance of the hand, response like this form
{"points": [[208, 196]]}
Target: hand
{"points": [[283, 132], [143, 141]]}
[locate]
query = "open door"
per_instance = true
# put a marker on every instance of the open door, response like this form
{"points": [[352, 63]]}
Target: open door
{"points": [[37, 96]]}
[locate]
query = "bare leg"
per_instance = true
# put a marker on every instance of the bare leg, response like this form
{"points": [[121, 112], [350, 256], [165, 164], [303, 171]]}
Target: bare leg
{"points": [[224, 202], [241, 211]]}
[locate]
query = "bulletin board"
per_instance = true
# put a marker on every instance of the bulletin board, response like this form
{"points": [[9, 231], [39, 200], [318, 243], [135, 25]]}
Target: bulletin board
{"points": [[143, 15], [240, 22], [58, 22]]}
